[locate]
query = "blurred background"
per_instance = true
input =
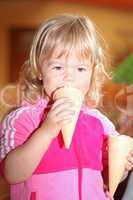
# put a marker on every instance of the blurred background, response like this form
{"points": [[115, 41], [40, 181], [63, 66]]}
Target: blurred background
{"points": [[18, 22]]}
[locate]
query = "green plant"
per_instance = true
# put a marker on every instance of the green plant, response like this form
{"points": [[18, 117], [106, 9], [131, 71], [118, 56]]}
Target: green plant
{"points": [[124, 71]]}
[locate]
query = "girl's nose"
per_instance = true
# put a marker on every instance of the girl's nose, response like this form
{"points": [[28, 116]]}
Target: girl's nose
{"points": [[68, 75]]}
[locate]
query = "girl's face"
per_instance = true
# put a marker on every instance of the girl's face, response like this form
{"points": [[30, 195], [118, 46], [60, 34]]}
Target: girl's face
{"points": [[58, 72]]}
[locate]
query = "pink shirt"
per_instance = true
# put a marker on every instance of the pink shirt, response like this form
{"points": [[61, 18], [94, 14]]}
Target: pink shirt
{"points": [[63, 174]]}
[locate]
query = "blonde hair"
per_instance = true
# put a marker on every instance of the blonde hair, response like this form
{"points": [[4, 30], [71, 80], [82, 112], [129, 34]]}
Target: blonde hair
{"points": [[68, 32]]}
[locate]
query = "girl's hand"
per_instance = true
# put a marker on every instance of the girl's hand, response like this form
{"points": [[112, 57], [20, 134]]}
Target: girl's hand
{"points": [[107, 194], [60, 114], [129, 164]]}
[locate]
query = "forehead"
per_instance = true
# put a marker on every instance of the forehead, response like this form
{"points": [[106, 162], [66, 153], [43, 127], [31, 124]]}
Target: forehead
{"points": [[71, 56]]}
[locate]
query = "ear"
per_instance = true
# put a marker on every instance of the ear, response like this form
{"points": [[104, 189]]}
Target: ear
{"points": [[40, 77]]}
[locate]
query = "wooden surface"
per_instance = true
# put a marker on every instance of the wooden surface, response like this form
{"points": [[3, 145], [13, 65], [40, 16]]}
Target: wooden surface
{"points": [[119, 4]]}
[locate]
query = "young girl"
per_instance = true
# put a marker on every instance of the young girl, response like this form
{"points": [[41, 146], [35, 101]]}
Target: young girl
{"points": [[66, 50]]}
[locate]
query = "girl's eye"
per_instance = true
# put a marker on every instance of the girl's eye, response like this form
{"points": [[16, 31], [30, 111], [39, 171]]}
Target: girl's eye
{"points": [[81, 69], [57, 67]]}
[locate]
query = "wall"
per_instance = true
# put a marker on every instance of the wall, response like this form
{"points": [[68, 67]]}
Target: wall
{"points": [[22, 14]]}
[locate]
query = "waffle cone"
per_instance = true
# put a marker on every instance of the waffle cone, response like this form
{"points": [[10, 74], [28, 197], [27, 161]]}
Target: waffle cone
{"points": [[119, 148], [76, 96]]}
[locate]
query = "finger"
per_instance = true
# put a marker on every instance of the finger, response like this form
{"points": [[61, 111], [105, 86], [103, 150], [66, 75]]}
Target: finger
{"points": [[130, 163], [131, 152], [60, 102], [128, 166], [64, 122], [130, 160], [67, 115], [62, 108], [130, 156]]}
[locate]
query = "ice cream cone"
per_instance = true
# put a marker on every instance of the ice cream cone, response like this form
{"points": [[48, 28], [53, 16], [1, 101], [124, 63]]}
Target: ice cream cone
{"points": [[77, 97], [119, 148]]}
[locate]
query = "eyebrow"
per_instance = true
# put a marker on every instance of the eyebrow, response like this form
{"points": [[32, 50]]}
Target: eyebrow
{"points": [[60, 63], [54, 62]]}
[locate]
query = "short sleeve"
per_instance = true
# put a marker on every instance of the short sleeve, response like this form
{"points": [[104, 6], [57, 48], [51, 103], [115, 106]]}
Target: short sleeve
{"points": [[108, 126], [15, 130]]}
